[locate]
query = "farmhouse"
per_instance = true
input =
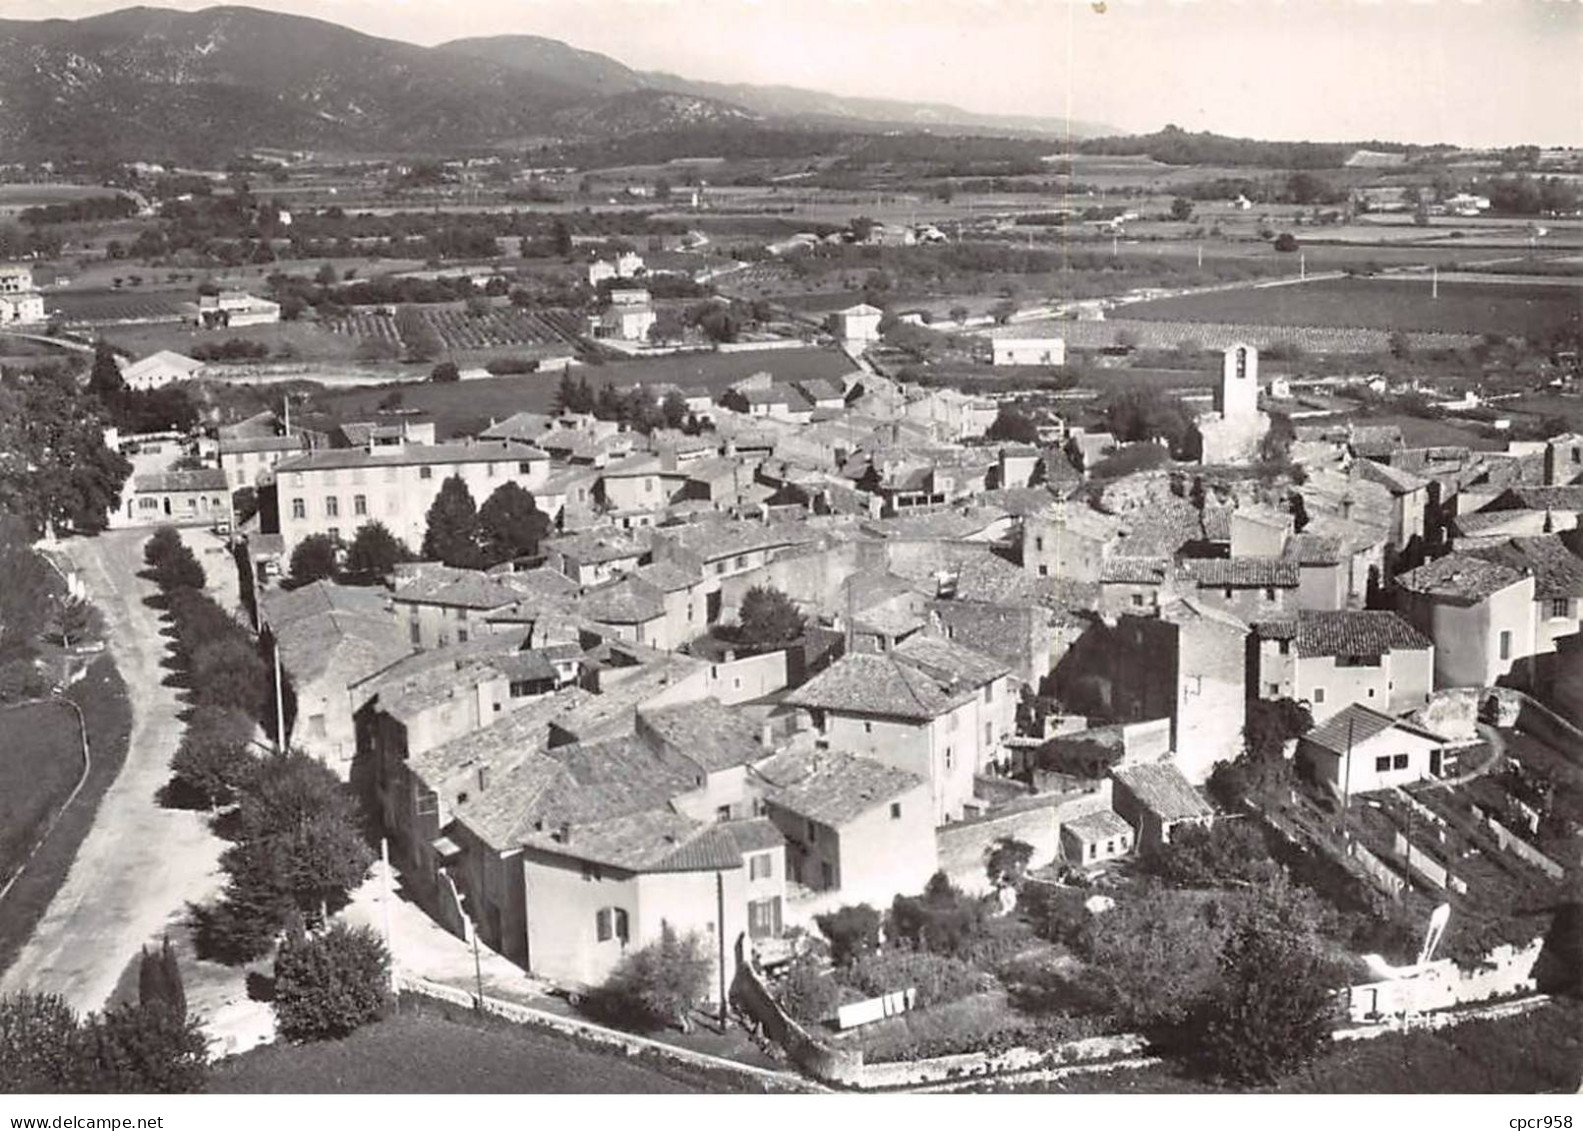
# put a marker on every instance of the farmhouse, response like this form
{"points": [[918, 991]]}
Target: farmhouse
{"points": [[1156, 800], [235, 309], [20, 301], [159, 369], [1028, 351], [1360, 750], [1095, 837], [178, 497], [857, 325]]}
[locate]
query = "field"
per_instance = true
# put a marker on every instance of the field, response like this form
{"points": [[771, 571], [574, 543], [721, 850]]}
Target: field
{"points": [[40, 762], [455, 329], [306, 342], [1509, 309], [467, 407], [105, 307], [15, 197], [431, 1050], [1172, 333], [1540, 1051]]}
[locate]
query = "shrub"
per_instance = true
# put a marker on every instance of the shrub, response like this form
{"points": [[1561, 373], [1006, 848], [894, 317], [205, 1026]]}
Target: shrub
{"points": [[943, 919], [657, 985], [180, 569], [807, 992], [937, 977], [1228, 852], [328, 985], [853, 931], [133, 1049], [161, 545], [375, 551], [40, 1047]]}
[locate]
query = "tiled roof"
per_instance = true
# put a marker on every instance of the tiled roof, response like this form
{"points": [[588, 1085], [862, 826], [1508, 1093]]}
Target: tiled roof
{"points": [[594, 547], [283, 606], [1459, 577], [201, 479], [1356, 723], [232, 445], [1399, 481], [1355, 632], [627, 600], [668, 577], [988, 577], [1243, 573], [476, 451], [433, 584], [1161, 787], [707, 732], [1134, 571], [832, 787], [357, 644], [1308, 549], [1277, 628], [1566, 498], [921, 679], [1558, 572], [522, 427], [1102, 824], [714, 540]]}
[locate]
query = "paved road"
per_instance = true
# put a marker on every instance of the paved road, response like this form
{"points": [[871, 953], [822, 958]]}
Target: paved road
{"points": [[139, 865]]}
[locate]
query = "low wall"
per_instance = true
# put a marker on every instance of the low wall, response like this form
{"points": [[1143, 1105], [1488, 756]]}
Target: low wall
{"points": [[1384, 876], [1443, 985], [627, 1043], [1511, 842]]}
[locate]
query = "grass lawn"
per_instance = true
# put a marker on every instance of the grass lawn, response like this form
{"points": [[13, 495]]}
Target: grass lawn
{"points": [[102, 696], [1541, 1051], [1383, 304], [429, 1048], [39, 763]]}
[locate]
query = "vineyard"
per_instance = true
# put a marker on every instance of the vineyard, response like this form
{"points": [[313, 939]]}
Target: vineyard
{"points": [[109, 307], [453, 328]]}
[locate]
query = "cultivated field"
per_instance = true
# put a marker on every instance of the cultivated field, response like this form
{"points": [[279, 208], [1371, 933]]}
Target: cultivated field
{"points": [[99, 308], [40, 762], [1508, 309], [455, 329], [1173, 333]]}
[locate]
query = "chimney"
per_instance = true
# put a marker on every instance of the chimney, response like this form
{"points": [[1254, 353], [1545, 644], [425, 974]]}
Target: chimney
{"points": [[1346, 506]]}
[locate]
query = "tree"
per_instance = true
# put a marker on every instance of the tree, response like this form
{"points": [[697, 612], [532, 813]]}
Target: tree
{"points": [[767, 619], [159, 984], [40, 1045], [1400, 345], [1002, 311], [314, 559], [328, 985], [1226, 853], [510, 525], [1286, 242], [658, 984], [1012, 425], [853, 931], [1274, 1009], [666, 327], [959, 314], [1181, 209], [1006, 861], [1139, 413], [1152, 957], [214, 762], [133, 1049], [1261, 770], [445, 372], [26, 586], [55, 470], [674, 409], [451, 535], [104, 379], [375, 551], [561, 236], [180, 570], [573, 394]]}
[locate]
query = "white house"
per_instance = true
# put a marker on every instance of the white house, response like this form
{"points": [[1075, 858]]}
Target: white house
{"points": [[1028, 351], [1360, 749], [160, 369], [857, 324]]}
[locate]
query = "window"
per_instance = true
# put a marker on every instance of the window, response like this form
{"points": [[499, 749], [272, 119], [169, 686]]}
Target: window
{"points": [[868, 728], [1561, 606], [1399, 762], [895, 810], [1038, 543], [1382, 763], [1319, 695], [742, 561], [1228, 592], [764, 918], [1044, 571], [360, 505], [1272, 690], [1284, 647], [723, 813], [332, 507], [610, 923], [1110, 848], [989, 734], [1092, 849], [299, 508], [1269, 594], [1137, 599], [425, 473], [524, 468], [989, 693], [417, 632], [761, 866], [950, 758], [1506, 644], [813, 833], [489, 471], [1371, 693], [461, 636]]}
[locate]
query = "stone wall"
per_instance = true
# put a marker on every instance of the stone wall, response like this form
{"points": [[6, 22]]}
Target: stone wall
{"points": [[1037, 820], [1508, 971]]}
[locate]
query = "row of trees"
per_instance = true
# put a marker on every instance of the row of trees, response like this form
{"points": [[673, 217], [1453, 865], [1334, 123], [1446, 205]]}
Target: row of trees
{"points": [[373, 553], [460, 533], [634, 407]]}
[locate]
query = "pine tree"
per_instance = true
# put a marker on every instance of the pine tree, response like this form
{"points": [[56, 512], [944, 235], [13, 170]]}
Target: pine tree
{"points": [[452, 532]]}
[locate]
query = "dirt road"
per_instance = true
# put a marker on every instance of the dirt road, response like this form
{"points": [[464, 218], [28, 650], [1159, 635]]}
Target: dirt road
{"points": [[140, 864]]}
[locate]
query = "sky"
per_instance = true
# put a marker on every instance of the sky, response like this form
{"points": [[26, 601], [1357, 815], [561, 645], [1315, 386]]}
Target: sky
{"points": [[1469, 72]]}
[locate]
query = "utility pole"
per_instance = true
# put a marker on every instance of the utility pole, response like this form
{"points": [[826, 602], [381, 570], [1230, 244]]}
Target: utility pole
{"points": [[720, 938], [390, 949], [1434, 280], [280, 708], [1346, 782]]}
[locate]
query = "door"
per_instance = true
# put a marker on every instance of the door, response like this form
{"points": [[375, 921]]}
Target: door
{"points": [[1434, 763]]}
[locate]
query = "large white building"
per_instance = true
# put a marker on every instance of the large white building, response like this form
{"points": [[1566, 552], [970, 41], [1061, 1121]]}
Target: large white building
{"points": [[334, 491], [160, 369], [232, 309], [20, 301]]}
